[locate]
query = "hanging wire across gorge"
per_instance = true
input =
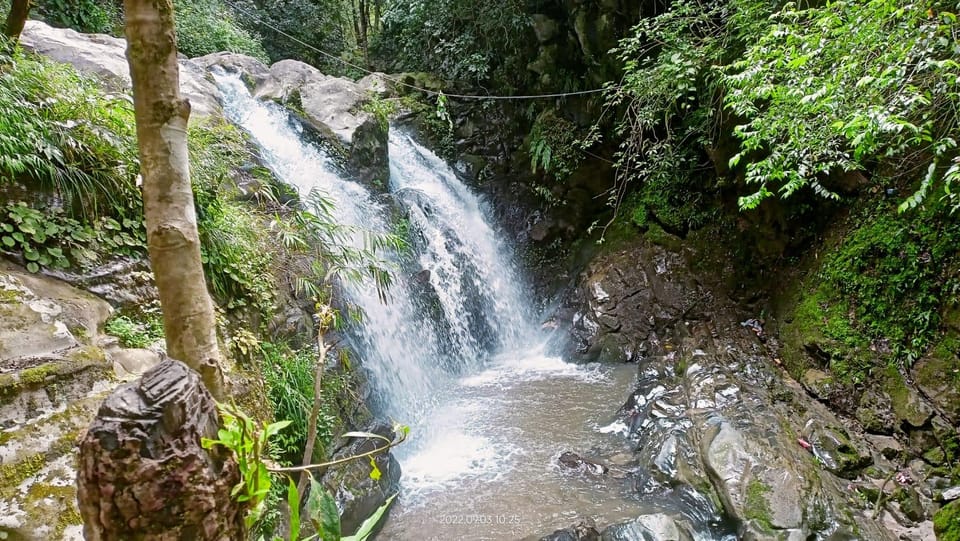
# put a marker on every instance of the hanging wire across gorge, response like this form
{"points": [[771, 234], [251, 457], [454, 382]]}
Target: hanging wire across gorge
{"points": [[399, 82]]}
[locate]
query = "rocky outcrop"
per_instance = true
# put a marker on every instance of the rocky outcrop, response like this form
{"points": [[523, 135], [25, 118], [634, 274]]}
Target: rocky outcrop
{"points": [[713, 412], [143, 472], [55, 368], [331, 105], [104, 57]]}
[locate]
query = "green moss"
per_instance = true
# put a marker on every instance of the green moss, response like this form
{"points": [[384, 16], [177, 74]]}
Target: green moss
{"points": [[38, 374], [68, 517], [756, 507], [12, 475], [661, 237], [946, 523], [10, 296], [875, 297]]}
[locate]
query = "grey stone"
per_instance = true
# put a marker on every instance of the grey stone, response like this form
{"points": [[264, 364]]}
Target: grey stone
{"points": [[105, 58], [544, 27]]}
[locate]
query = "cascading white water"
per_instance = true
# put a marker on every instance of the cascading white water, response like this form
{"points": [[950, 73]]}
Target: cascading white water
{"points": [[456, 353], [399, 367]]}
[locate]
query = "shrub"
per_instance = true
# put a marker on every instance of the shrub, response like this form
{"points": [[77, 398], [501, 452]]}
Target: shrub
{"points": [[206, 26], [87, 16]]}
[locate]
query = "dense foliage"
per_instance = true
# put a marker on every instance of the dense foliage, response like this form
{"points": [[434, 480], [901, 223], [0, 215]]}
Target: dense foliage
{"points": [[82, 15], [459, 40], [806, 91], [209, 26], [65, 143]]}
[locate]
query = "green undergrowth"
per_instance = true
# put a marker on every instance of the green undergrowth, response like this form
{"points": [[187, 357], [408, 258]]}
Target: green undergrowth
{"points": [[138, 330], [289, 380], [877, 295]]}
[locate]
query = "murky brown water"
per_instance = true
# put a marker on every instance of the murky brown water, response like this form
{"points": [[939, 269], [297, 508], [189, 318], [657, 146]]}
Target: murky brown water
{"points": [[484, 468]]}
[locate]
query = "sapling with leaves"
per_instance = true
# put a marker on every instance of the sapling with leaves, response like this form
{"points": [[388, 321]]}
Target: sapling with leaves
{"points": [[250, 445]]}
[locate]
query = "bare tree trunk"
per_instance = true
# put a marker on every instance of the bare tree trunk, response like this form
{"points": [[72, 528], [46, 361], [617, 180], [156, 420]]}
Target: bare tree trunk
{"points": [[322, 350], [142, 473], [17, 18], [172, 239], [364, 24], [356, 23]]}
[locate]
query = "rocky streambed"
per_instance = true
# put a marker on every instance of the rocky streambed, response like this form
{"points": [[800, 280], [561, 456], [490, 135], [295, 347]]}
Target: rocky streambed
{"points": [[724, 437]]}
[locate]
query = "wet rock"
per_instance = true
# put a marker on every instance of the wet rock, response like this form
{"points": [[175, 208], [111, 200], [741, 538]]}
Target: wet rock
{"points": [[573, 461], [832, 447], [333, 105], [105, 57], [585, 530], [659, 527], [627, 297], [357, 494], [910, 504], [950, 494], [124, 282], [255, 74]]}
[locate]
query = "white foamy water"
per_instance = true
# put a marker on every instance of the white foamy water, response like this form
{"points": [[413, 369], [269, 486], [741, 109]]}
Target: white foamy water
{"points": [[456, 353]]}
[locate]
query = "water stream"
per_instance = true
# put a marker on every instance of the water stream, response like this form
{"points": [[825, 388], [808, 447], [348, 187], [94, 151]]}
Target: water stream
{"points": [[458, 353]]}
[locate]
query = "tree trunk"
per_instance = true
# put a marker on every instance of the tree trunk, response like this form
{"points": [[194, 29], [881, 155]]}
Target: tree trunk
{"points": [[142, 473], [172, 239], [356, 23], [17, 18], [364, 24]]}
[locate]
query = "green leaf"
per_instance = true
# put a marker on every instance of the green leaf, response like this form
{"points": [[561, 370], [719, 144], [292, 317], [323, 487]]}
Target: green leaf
{"points": [[8, 241], [366, 529], [365, 435], [33, 267], [274, 428], [31, 255], [293, 503], [323, 512], [374, 470]]}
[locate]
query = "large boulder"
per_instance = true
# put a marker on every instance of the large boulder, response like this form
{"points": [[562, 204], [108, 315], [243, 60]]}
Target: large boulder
{"points": [[104, 57], [143, 473], [333, 106], [712, 411]]}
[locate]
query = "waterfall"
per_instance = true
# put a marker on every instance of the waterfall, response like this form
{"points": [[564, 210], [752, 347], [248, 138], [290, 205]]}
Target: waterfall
{"points": [[452, 308], [456, 352]]}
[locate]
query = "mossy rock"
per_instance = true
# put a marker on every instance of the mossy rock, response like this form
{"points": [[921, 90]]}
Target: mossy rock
{"points": [[938, 375], [907, 405], [946, 522]]}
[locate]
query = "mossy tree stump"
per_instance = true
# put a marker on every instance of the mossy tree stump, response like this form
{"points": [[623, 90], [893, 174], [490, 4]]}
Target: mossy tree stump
{"points": [[143, 474]]}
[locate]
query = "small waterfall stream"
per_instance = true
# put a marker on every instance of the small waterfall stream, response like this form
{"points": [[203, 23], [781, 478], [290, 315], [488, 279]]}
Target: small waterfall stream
{"points": [[457, 353]]}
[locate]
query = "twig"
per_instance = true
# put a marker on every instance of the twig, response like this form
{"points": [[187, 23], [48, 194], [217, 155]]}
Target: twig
{"points": [[292, 469], [876, 505]]}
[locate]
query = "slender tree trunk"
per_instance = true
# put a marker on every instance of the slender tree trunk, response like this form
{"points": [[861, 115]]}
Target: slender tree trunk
{"points": [[364, 24], [322, 350], [17, 18], [356, 23], [172, 239]]}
